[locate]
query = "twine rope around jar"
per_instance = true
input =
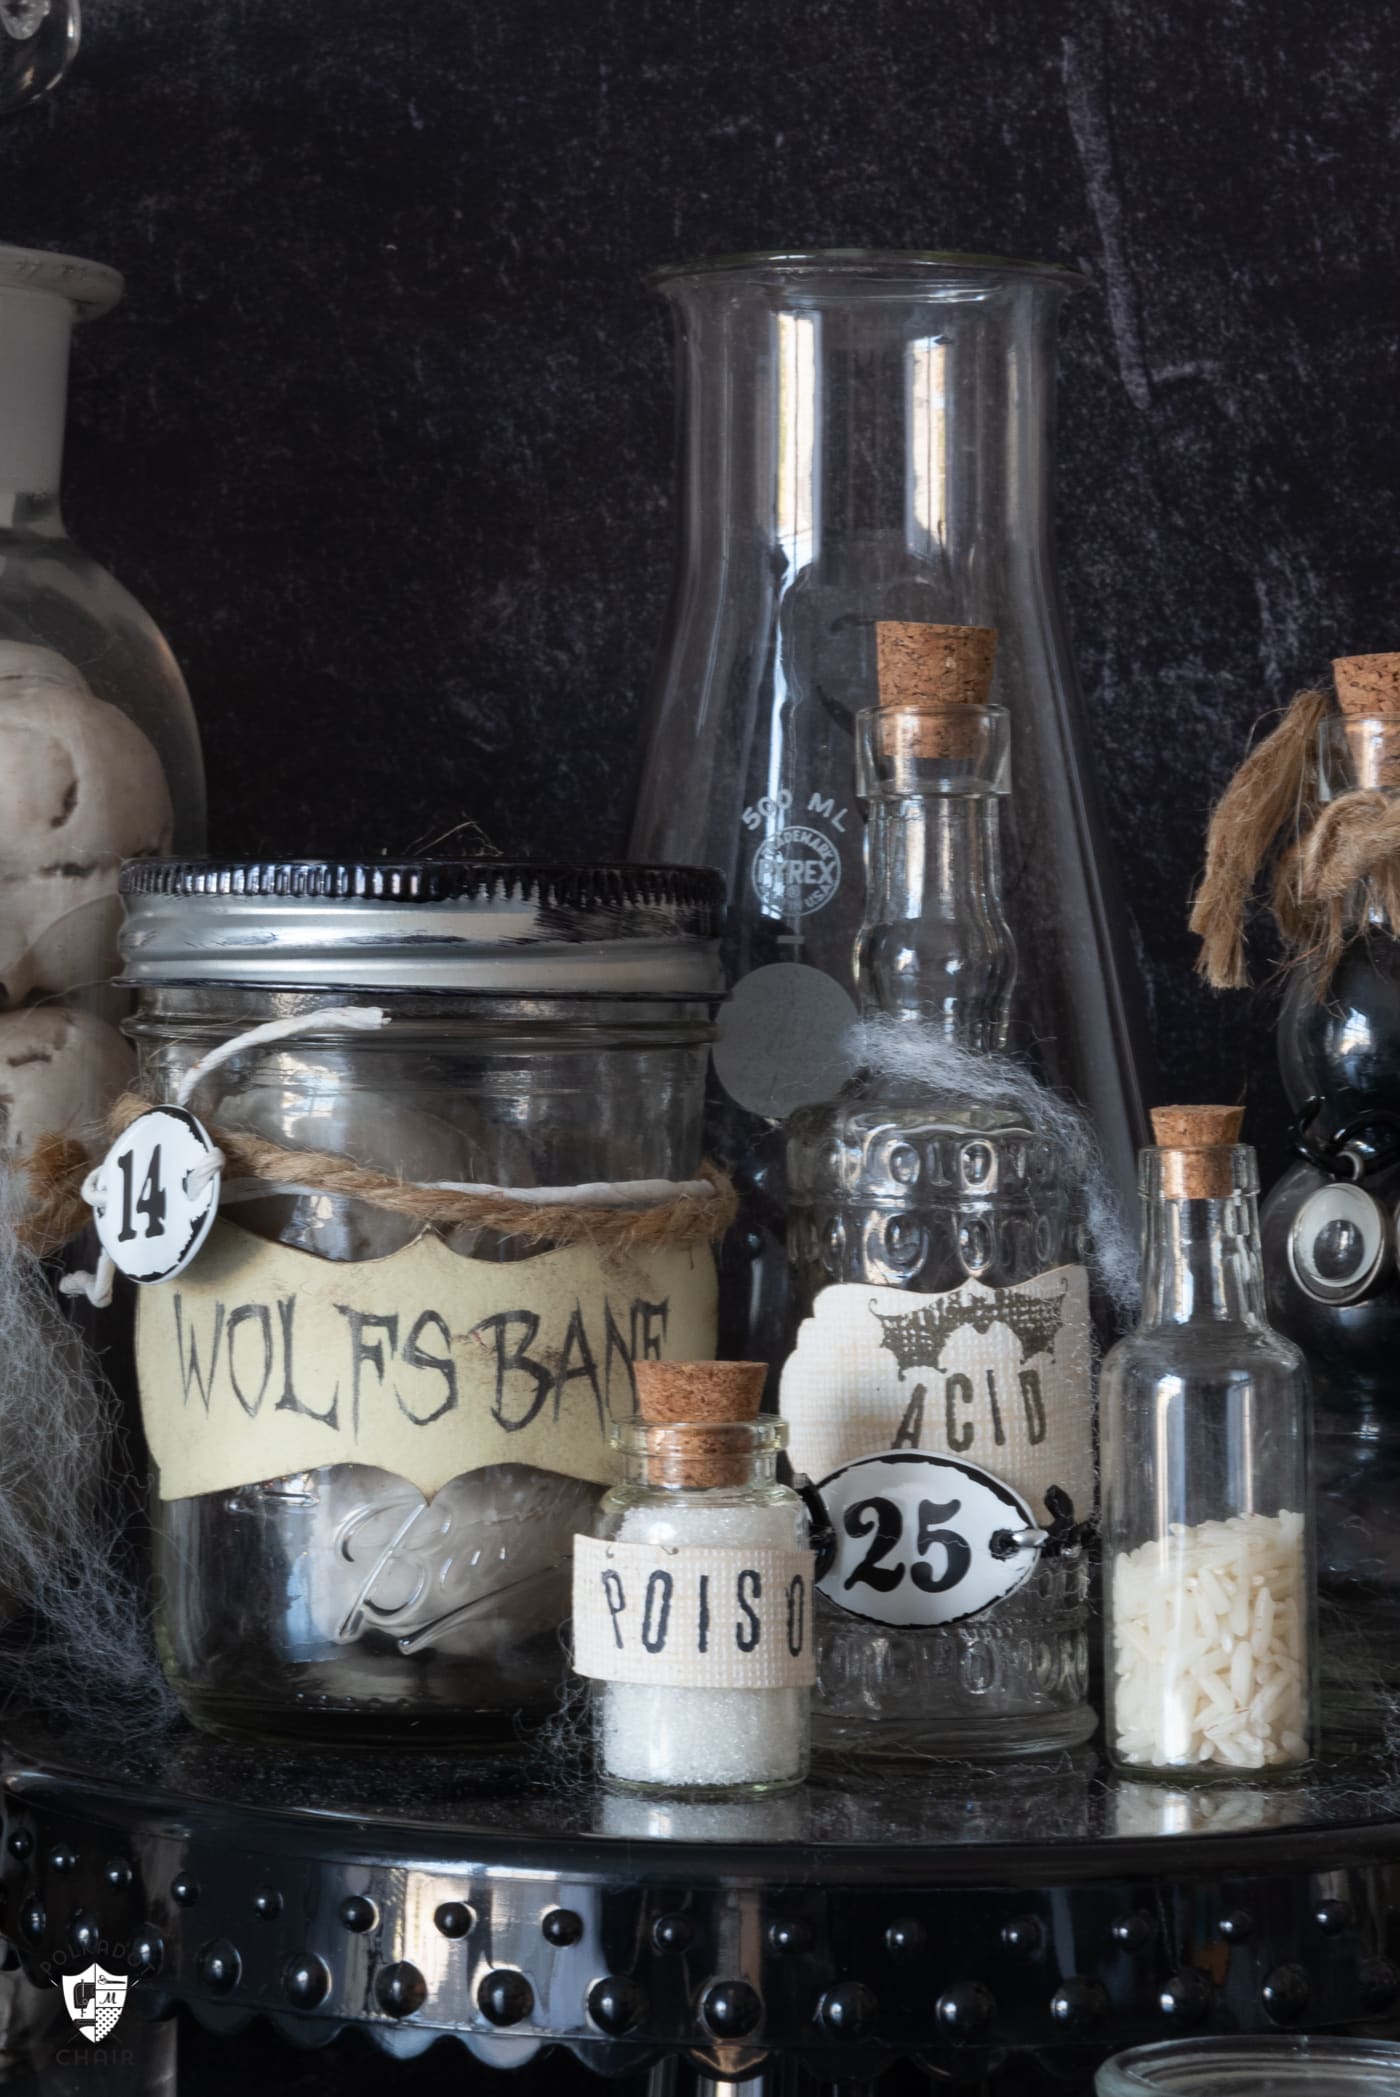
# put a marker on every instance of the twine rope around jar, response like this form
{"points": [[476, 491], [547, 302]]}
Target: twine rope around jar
{"points": [[612, 1215]]}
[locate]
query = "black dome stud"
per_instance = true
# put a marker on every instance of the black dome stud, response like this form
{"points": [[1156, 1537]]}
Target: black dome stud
{"points": [[62, 1860], [21, 1843], [33, 1921], [184, 1890], [905, 1938], [306, 1980], [400, 1989], [1285, 1993], [1379, 1983], [1078, 2005], [505, 1996], [357, 1912], [1333, 1916], [84, 1934], [616, 2004], [789, 1935], [562, 1927], [454, 1919], [219, 1966], [673, 1933], [1186, 1998], [147, 1953], [1133, 1932], [1023, 1935], [731, 2009], [1237, 1926], [966, 2011], [267, 1902], [848, 2011], [117, 1873]]}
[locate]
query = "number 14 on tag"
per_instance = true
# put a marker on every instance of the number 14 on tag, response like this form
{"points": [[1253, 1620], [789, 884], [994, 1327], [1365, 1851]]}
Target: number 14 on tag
{"points": [[156, 1194]]}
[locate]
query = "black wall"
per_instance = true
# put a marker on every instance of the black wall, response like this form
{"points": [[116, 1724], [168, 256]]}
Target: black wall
{"points": [[383, 433]]}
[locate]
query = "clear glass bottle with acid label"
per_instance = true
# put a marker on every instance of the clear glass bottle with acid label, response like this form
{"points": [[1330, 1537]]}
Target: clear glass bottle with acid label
{"points": [[939, 1391]]}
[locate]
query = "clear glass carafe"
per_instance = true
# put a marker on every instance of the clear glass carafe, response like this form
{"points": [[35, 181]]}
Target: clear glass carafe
{"points": [[915, 1209], [866, 436], [1208, 1543], [702, 1743]]}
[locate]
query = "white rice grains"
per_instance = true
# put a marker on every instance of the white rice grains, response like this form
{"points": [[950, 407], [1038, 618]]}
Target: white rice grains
{"points": [[1209, 1645]]}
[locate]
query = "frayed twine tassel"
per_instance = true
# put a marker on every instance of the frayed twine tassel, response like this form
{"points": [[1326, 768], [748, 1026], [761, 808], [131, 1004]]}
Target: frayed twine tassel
{"points": [[1274, 790]]}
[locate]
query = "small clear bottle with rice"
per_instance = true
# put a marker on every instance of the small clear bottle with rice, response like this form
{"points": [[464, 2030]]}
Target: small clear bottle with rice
{"points": [[1208, 1533], [693, 1597]]}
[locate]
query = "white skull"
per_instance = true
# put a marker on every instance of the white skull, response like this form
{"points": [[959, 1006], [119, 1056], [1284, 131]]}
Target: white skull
{"points": [[81, 789], [59, 1072]]}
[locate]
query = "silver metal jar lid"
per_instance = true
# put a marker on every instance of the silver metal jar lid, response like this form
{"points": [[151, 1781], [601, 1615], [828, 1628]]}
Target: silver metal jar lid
{"points": [[511, 929]]}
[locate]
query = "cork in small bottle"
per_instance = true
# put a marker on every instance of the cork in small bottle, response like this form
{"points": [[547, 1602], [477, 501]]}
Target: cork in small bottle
{"points": [[1197, 1145], [697, 1403], [1368, 693], [925, 674]]}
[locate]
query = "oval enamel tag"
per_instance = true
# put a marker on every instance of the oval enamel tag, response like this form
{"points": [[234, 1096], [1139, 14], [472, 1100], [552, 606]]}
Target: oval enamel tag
{"points": [[156, 1193], [924, 1540]]}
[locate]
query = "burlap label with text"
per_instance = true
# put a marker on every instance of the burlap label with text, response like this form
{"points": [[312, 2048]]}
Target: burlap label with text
{"points": [[694, 1616], [261, 1360], [999, 1378]]}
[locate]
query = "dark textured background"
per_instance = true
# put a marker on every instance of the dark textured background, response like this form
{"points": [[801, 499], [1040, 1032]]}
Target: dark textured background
{"points": [[383, 434]]}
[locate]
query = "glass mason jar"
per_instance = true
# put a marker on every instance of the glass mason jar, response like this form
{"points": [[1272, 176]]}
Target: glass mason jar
{"points": [[866, 436], [1208, 1540], [547, 1027], [1271, 2066], [710, 1743], [99, 758]]}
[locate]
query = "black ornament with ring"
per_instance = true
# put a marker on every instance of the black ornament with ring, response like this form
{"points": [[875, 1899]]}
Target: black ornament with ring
{"points": [[1331, 1241]]}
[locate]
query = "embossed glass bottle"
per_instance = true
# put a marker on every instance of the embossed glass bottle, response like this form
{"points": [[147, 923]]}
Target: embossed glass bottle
{"points": [[940, 1385]]}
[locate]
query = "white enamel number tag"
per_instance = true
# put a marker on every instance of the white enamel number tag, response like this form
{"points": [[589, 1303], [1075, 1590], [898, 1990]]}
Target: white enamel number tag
{"points": [[923, 1540], [156, 1193]]}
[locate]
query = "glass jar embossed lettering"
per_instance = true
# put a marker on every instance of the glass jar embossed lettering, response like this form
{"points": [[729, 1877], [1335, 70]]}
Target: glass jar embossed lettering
{"points": [[544, 1029]]}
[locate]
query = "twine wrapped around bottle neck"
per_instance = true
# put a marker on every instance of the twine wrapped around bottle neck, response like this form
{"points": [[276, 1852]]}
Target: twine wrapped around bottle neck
{"points": [[1335, 863]]}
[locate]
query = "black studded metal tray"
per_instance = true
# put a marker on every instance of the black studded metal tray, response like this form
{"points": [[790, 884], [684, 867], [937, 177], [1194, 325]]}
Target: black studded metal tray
{"points": [[957, 1915]]}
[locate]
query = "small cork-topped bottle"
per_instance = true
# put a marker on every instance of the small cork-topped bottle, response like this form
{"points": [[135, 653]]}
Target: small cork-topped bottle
{"points": [[1208, 1531], [693, 1597], [931, 1218]]}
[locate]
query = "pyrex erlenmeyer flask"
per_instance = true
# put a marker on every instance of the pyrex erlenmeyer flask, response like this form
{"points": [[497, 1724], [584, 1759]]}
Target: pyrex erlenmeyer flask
{"points": [[866, 436]]}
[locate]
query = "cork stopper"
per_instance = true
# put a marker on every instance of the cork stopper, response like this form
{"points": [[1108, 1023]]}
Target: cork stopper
{"points": [[929, 671], [1197, 1142], [1368, 693], [1368, 684], [698, 1403]]}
